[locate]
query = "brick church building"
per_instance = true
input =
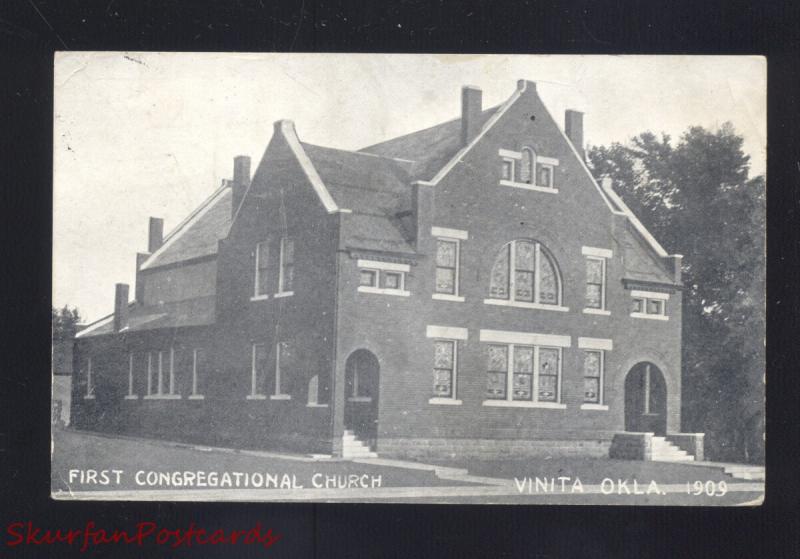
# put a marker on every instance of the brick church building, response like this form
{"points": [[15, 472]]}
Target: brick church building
{"points": [[464, 289]]}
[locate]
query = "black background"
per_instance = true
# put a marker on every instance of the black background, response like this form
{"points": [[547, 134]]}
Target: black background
{"points": [[30, 31]]}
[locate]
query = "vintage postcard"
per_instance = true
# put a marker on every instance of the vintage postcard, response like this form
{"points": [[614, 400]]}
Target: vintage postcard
{"points": [[409, 278]]}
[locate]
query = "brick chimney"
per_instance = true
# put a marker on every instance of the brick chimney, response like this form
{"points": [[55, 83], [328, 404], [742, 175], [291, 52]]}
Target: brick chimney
{"points": [[139, 287], [573, 127], [241, 180], [155, 237], [471, 101], [120, 306]]}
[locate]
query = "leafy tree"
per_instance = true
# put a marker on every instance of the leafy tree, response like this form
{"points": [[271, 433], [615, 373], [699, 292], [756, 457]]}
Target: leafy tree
{"points": [[696, 197], [65, 323]]}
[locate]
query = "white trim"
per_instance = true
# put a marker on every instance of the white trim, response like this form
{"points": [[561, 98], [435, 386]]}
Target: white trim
{"points": [[654, 244], [259, 298], [315, 405], [603, 312], [552, 161], [95, 325], [509, 153], [163, 397], [131, 397], [650, 295], [526, 186], [286, 128], [444, 401], [523, 404], [598, 407], [596, 343], [383, 291], [486, 127], [88, 397], [448, 297], [525, 338], [359, 399], [650, 316], [280, 397], [186, 224], [446, 332], [525, 305], [599, 252], [255, 397], [196, 397], [377, 265], [283, 294], [458, 234]]}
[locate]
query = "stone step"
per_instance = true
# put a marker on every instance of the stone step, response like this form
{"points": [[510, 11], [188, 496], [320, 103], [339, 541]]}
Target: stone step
{"points": [[360, 454]]}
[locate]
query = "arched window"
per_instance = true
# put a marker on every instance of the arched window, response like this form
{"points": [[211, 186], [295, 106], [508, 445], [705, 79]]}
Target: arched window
{"points": [[527, 165], [525, 271]]}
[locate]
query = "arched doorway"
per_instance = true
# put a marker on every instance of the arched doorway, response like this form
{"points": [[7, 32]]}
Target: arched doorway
{"points": [[361, 396], [645, 400]]}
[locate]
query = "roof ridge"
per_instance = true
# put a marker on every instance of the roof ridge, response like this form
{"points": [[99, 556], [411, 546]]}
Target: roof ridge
{"points": [[360, 153]]}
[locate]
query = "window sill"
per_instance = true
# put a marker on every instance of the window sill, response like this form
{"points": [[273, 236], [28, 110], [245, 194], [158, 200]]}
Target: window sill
{"points": [[255, 397], [598, 407], [521, 404], [163, 397], [447, 297], [88, 397], [197, 397], [316, 405], [259, 297], [444, 401], [280, 397], [524, 305], [131, 397], [526, 186], [597, 311], [649, 316], [359, 399], [283, 294], [383, 291]]}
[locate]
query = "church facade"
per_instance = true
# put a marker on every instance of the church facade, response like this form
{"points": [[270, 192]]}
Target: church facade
{"points": [[464, 290]]}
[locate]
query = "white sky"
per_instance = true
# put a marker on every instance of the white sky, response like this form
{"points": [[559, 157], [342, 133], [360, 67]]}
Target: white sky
{"points": [[146, 134]]}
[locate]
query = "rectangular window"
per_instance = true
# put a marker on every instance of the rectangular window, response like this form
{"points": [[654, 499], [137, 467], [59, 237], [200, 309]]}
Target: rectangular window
{"points": [[262, 263], [286, 279], [160, 385], [258, 371], [89, 379], [648, 304], [447, 257], [392, 280], [595, 283], [593, 377], [149, 373], [444, 368], [368, 278], [637, 305], [131, 393], [655, 306], [282, 367], [507, 169], [523, 373], [544, 175], [197, 368]]}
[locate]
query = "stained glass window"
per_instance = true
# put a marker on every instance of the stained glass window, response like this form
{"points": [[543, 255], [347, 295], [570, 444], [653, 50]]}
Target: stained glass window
{"points": [[392, 280], [526, 166], [523, 373], [544, 175], [262, 262], [498, 286], [446, 266], [443, 368], [497, 370], [592, 376], [526, 259], [548, 374], [595, 278]]}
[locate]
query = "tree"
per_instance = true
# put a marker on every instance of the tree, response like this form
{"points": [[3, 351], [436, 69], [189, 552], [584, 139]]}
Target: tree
{"points": [[65, 323], [697, 199]]}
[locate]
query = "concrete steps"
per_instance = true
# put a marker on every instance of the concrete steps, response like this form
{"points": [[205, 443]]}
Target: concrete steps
{"points": [[665, 451], [352, 447]]}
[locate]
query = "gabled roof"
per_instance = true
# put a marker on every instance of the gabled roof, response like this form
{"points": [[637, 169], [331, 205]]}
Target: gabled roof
{"points": [[197, 235]]}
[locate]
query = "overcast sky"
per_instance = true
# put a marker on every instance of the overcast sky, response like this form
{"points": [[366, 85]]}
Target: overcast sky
{"points": [[143, 134]]}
